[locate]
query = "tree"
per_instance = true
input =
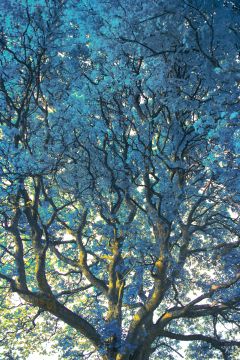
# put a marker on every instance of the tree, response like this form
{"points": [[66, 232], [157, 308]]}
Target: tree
{"points": [[119, 194]]}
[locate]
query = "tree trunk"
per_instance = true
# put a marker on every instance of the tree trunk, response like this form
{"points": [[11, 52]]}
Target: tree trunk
{"points": [[139, 354]]}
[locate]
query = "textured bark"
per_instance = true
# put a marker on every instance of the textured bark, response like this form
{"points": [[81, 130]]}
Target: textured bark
{"points": [[141, 353]]}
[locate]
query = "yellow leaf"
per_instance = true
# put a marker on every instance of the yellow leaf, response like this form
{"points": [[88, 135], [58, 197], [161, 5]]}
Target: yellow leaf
{"points": [[136, 317], [167, 315]]}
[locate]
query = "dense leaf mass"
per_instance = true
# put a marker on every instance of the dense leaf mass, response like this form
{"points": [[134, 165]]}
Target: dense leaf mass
{"points": [[119, 179]]}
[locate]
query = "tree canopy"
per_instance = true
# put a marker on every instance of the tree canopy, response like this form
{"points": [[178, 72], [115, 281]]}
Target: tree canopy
{"points": [[119, 179]]}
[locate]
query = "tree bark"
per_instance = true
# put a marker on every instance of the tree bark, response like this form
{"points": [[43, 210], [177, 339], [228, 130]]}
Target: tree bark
{"points": [[141, 353]]}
